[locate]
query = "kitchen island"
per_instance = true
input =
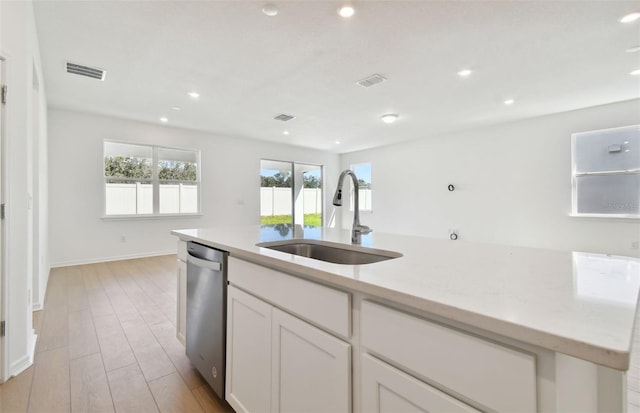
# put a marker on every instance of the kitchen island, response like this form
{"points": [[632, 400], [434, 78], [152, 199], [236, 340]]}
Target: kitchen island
{"points": [[551, 325]]}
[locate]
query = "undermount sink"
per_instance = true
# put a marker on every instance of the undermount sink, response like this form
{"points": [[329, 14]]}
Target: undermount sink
{"points": [[331, 251]]}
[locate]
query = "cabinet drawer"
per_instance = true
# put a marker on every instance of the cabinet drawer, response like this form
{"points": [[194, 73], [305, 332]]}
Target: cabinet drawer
{"points": [[316, 303], [386, 389], [182, 250], [498, 377]]}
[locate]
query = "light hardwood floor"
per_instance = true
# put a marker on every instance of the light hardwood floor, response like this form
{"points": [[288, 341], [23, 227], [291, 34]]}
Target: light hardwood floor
{"points": [[107, 342]]}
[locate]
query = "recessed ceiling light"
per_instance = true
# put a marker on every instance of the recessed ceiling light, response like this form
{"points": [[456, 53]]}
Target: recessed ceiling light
{"points": [[285, 132], [164, 120], [389, 117], [635, 72], [630, 18], [194, 95], [176, 108], [337, 142], [346, 11], [464, 73], [270, 10], [509, 102], [633, 49]]}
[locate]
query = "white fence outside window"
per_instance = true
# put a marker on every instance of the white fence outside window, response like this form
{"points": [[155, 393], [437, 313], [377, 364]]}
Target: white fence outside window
{"points": [[364, 199], [132, 199], [277, 201]]}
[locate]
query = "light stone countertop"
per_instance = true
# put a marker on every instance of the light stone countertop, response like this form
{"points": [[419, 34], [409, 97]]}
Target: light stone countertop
{"points": [[580, 304]]}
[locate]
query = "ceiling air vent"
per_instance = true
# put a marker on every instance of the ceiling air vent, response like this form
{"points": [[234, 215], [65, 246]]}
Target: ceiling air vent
{"points": [[371, 80], [284, 117], [92, 72]]}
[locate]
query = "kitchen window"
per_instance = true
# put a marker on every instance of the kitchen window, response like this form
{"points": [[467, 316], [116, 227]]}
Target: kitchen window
{"points": [[147, 180], [606, 173], [363, 172]]}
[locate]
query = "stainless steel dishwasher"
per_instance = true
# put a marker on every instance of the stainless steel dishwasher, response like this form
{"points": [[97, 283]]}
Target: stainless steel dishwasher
{"points": [[207, 313]]}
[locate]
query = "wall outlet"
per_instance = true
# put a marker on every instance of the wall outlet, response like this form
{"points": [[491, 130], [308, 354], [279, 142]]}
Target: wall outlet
{"points": [[634, 245], [123, 238]]}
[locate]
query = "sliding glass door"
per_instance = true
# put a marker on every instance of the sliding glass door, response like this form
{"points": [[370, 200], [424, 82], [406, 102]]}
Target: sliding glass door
{"points": [[290, 193]]}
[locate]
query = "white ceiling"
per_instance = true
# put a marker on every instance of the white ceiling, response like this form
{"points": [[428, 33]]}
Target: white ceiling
{"points": [[550, 56]]}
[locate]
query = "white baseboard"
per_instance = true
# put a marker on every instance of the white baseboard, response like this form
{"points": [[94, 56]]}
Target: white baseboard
{"points": [[108, 259], [25, 361], [20, 365]]}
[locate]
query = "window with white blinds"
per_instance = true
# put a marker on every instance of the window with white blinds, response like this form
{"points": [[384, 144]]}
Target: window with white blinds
{"points": [[606, 173]]}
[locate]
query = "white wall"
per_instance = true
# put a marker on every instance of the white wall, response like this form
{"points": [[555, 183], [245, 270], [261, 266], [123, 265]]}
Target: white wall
{"points": [[25, 192], [513, 185], [230, 185]]}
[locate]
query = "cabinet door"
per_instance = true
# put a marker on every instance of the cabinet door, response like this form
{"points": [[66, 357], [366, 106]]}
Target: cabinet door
{"points": [[248, 385], [181, 322], [311, 368], [387, 389]]}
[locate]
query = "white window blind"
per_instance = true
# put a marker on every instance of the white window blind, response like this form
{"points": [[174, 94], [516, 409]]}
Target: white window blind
{"points": [[606, 173]]}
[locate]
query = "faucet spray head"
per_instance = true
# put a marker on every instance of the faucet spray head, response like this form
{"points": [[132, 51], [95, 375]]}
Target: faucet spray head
{"points": [[337, 197]]}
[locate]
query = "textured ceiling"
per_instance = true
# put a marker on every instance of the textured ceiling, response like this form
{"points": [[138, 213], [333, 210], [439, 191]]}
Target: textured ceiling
{"points": [[549, 56]]}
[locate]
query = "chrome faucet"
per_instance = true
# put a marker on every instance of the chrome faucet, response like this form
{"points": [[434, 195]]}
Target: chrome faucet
{"points": [[357, 230]]}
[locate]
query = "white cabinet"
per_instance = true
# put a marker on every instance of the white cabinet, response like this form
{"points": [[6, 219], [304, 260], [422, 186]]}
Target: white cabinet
{"points": [[386, 389], [482, 372], [323, 306], [288, 350], [248, 381], [276, 361], [181, 313], [311, 369]]}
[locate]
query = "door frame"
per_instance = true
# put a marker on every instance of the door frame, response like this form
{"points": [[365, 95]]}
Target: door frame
{"points": [[4, 287]]}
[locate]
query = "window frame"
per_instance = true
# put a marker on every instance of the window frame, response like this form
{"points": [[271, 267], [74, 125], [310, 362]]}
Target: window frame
{"points": [[155, 182], [575, 175]]}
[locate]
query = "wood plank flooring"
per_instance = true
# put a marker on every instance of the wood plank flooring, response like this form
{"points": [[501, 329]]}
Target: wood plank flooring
{"points": [[107, 343]]}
